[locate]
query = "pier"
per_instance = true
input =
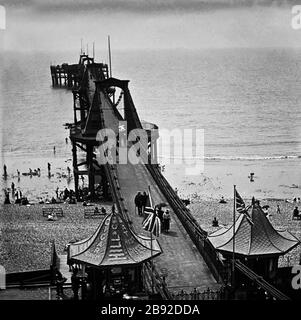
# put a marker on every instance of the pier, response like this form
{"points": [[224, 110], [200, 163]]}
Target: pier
{"points": [[185, 262], [190, 263]]}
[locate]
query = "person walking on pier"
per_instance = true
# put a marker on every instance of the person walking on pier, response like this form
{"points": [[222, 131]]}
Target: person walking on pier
{"points": [[160, 214], [139, 203], [144, 198], [166, 220], [75, 282]]}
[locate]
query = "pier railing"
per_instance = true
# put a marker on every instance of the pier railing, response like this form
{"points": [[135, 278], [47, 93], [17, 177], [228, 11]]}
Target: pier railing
{"points": [[197, 234]]}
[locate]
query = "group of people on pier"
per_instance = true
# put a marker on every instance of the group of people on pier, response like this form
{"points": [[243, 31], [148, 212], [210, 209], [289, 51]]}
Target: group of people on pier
{"points": [[141, 200]]}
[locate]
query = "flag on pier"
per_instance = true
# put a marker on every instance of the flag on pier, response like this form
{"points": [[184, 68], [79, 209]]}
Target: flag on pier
{"points": [[152, 223], [241, 207]]}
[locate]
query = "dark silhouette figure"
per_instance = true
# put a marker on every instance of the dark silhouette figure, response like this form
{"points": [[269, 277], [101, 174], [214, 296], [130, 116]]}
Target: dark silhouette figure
{"points": [[6, 201], [214, 222], [296, 213], [144, 197], [5, 171], [13, 188], [75, 283], [222, 200], [166, 221], [59, 284], [160, 214], [66, 194], [139, 202]]}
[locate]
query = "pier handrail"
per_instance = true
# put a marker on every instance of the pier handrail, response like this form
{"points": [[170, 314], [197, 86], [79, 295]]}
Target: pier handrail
{"points": [[274, 292], [151, 276]]}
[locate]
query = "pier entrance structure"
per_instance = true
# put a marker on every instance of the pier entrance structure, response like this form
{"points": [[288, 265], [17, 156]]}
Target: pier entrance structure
{"points": [[188, 262]]}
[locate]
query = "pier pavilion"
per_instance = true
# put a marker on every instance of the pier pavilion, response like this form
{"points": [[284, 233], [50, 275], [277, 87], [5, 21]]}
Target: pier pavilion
{"points": [[255, 242], [112, 259]]}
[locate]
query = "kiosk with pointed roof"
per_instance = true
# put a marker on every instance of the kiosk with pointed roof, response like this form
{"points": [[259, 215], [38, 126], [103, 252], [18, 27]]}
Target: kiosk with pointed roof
{"points": [[112, 258], [257, 243]]}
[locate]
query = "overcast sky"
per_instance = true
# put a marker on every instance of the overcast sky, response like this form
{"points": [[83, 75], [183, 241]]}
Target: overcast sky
{"points": [[143, 24]]}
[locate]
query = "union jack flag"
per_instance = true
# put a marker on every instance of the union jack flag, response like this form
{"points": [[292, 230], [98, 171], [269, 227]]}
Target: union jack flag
{"points": [[241, 207], [152, 223]]}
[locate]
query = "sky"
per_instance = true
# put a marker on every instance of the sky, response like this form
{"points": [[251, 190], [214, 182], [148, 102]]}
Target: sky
{"points": [[147, 24]]}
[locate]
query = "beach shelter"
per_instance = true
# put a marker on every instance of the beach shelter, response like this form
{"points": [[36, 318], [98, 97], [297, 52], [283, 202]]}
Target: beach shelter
{"points": [[113, 257], [256, 242]]}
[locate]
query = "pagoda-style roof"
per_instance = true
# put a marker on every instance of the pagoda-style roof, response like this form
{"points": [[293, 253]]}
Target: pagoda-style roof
{"points": [[253, 239], [114, 243]]}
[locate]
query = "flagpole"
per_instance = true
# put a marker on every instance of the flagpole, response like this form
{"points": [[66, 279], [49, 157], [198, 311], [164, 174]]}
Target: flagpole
{"points": [[151, 234], [152, 268], [233, 253]]}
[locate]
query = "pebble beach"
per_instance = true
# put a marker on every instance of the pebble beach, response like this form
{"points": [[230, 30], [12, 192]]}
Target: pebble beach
{"points": [[26, 235]]}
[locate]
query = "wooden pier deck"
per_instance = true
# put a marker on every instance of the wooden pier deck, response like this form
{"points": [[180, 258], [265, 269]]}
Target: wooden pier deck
{"points": [[181, 260]]}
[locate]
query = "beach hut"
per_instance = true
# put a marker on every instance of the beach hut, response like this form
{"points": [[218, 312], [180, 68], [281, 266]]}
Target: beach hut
{"points": [[257, 243], [111, 260]]}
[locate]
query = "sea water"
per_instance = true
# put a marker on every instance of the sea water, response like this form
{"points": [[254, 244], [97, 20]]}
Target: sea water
{"points": [[247, 101]]}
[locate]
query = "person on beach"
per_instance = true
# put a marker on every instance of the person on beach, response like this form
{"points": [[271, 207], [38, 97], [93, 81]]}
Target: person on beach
{"points": [[13, 188], [54, 150], [69, 170], [222, 200], [5, 171], [278, 209], [18, 173], [166, 220], [66, 139], [18, 196], [6, 201], [57, 192], [66, 194], [296, 213], [214, 222]]}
